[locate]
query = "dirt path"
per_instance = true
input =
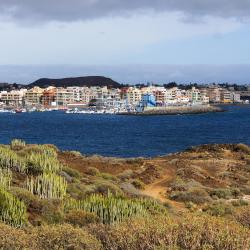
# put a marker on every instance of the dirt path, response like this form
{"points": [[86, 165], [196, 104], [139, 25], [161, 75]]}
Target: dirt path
{"points": [[158, 189]]}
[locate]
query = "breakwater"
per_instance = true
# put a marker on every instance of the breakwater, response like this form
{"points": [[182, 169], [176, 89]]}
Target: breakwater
{"points": [[175, 110]]}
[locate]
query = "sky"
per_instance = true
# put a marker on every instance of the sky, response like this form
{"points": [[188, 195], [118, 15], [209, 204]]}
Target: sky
{"points": [[130, 41]]}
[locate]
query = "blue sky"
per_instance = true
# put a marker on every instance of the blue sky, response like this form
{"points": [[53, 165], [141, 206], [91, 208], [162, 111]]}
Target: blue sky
{"points": [[165, 40]]}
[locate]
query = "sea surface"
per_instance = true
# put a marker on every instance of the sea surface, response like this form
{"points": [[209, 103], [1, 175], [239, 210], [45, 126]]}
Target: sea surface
{"points": [[127, 136]]}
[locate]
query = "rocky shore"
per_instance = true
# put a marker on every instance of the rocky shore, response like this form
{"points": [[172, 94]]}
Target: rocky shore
{"points": [[177, 110]]}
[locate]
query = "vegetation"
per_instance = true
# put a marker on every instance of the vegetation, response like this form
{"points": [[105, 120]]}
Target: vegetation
{"points": [[47, 186], [63, 200], [12, 210], [109, 209]]}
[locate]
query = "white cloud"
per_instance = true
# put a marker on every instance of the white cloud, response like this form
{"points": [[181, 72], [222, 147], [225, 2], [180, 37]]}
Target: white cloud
{"points": [[102, 41]]}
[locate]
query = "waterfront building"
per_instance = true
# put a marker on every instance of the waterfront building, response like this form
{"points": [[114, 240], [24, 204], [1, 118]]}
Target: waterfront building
{"points": [[48, 97], [214, 94], [235, 97], [194, 95], [132, 95], [148, 100], [33, 96], [13, 98], [226, 96]]}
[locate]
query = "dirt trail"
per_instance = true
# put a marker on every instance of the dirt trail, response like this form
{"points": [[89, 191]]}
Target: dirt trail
{"points": [[157, 189]]}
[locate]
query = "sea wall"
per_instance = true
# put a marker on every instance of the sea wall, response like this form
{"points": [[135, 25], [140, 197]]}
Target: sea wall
{"points": [[174, 110]]}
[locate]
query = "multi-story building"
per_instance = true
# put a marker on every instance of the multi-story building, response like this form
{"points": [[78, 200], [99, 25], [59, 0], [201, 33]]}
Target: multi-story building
{"points": [[33, 96], [14, 97], [194, 95], [235, 97], [132, 95], [214, 94], [48, 97], [226, 96]]}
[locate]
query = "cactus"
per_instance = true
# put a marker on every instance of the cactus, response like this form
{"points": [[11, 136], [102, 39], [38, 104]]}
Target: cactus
{"points": [[109, 209], [12, 210], [42, 163], [10, 159], [47, 186], [17, 144], [5, 178]]}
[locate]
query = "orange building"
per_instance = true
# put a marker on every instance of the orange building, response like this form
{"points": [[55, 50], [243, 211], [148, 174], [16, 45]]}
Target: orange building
{"points": [[48, 96]]}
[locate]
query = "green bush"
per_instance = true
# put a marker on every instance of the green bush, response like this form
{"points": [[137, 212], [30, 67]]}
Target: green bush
{"points": [[92, 171], [219, 209], [108, 177], [72, 172], [81, 218], [138, 184], [195, 195], [225, 193]]}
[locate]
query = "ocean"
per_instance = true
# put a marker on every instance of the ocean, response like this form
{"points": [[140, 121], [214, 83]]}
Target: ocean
{"points": [[127, 136]]}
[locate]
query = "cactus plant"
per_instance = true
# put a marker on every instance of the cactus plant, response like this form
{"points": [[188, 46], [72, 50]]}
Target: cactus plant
{"points": [[5, 178], [109, 209], [42, 163], [47, 186], [17, 144], [12, 210], [10, 159]]}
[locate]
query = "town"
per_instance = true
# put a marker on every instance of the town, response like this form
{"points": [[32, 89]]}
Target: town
{"points": [[102, 99]]}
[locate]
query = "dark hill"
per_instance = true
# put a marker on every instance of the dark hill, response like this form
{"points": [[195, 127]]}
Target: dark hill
{"points": [[76, 81]]}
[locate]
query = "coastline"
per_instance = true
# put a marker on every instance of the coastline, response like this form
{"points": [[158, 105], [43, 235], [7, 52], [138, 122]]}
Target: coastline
{"points": [[176, 111]]}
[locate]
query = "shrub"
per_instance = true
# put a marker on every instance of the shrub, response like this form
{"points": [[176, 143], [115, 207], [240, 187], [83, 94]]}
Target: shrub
{"points": [[219, 209], [243, 148], [138, 184], [109, 177], [63, 237], [52, 211], [125, 175], [71, 172], [243, 216], [225, 193], [195, 195], [81, 218], [92, 171], [76, 153], [104, 187], [239, 203], [161, 232], [12, 238]]}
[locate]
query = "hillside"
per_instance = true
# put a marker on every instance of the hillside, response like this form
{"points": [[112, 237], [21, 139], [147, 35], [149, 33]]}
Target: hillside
{"points": [[76, 81], [64, 200]]}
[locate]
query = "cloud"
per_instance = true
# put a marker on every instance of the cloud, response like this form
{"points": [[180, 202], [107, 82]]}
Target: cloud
{"points": [[75, 10]]}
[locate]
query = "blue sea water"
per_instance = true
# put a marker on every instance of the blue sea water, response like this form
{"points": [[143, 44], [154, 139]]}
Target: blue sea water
{"points": [[127, 136]]}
